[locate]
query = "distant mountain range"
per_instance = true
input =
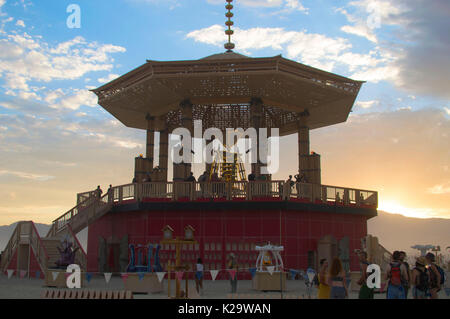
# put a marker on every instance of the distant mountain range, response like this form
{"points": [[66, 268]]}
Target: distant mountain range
{"points": [[395, 232]]}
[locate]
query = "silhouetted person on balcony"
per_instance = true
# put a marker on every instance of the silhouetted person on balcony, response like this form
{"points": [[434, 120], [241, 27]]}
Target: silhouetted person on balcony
{"points": [[98, 192], [134, 181], [289, 181], [202, 179], [191, 178], [361, 198], [147, 179], [338, 198], [298, 180], [110, 193], [251, 177], [215, 178]]}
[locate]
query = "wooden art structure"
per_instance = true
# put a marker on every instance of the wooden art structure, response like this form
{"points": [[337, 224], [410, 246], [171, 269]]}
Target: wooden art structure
{"points": [[224, 91], [178, 266], [270, 275]]}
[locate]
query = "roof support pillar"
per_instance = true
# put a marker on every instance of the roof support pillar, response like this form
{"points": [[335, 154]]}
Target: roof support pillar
{"points": [[183, 170], [308, 164], [163, 150], [208, 167], [150, 153], [256, 105]]}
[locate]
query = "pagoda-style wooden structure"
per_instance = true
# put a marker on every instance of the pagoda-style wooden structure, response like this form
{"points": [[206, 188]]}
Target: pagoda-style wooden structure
{"points": [[225, 90], [229, 90]]}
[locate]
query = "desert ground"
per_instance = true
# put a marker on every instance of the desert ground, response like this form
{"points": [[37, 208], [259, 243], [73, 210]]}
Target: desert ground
{"points": [[16, 288]]}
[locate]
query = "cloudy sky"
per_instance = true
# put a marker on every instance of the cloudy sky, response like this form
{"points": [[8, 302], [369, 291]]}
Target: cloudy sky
{"points": [[55, 141]]}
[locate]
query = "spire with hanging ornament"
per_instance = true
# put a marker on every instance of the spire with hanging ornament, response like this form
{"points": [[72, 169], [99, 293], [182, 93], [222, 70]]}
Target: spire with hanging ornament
{"points": [[229, 32]]}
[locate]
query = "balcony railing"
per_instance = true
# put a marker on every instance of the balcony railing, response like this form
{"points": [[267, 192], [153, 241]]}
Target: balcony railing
{"points": [[240, 191]]}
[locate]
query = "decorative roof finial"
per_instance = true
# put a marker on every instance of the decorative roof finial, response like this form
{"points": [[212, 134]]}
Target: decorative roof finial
{"points": [[229, 46]]}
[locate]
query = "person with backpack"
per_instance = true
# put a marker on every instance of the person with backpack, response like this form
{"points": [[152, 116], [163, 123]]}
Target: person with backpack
{"points": [[364, 292], [436, 276], [406, 283], [420, 279], [396, 274]]}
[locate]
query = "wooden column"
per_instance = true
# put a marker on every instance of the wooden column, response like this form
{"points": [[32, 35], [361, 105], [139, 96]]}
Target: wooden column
{"points": [[150, 140], [163, 150], [183, 170], [208, 166], [256, 105], [308, 164]]}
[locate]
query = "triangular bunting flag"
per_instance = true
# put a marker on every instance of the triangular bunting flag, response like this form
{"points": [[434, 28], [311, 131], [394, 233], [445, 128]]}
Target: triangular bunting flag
{"points": [[270, 269], [141, 275], [55, 275], [88, 277], [160, 276], [252, 272], [38, 274], [107, 276], [232, 273], [179, 275], [22, 274], [10, 273], [214, 274]]}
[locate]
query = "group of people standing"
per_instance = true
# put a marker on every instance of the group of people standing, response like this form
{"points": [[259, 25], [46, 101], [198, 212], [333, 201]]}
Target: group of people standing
{"points": [[425, 278], [332, 282]]}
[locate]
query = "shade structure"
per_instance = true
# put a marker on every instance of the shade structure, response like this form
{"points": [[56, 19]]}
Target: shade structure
{"points": [[221, 87]]}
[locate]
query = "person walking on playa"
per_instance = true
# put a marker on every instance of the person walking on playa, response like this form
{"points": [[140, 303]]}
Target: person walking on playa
{"points": [[435, 276], [324, 290], [406, 283], [396, 275], [420, 279], [336, 280], [364, 292], [199, 276], [232, 265]]}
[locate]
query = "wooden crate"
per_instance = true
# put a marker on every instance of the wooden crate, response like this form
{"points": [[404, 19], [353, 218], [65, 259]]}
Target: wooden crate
{"points": [[263, 281], [148, 284]]}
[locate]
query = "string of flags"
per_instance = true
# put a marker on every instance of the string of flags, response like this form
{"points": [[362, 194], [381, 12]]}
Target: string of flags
{"points": [[160, 275], [308, 276]]}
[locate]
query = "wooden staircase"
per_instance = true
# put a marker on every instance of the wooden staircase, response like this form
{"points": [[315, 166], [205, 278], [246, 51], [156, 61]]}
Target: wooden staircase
{"points": [[51, 245], [65, 227], [25, 234]]}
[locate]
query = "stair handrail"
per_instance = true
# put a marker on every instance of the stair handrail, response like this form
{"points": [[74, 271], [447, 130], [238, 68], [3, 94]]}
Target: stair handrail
{"points": [[55, 228], [77, 244], [10, 247], [37, 246]]}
